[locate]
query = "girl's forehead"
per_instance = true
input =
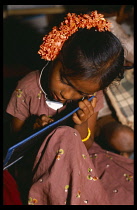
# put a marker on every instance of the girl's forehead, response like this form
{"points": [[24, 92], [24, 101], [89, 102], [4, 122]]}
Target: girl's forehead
{"points": [[89, 86], [86, 86]]}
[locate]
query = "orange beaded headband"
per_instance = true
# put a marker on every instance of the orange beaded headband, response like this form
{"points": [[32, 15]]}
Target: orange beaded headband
{"points": [[53, 42]]}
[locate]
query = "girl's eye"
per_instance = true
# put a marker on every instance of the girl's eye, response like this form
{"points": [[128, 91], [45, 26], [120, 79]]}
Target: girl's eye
{"points": [[84, 94], [63, 80]]}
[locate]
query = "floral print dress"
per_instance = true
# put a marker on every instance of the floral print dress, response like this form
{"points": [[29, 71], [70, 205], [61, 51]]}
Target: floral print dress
{"points": [[65, 173]]}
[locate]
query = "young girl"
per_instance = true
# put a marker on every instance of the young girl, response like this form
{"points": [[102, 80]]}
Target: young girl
{"points": [[83, 58]]}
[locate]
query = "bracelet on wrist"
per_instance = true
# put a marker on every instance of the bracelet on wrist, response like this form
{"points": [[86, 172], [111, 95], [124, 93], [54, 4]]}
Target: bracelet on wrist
{"points": [[88, 136]]}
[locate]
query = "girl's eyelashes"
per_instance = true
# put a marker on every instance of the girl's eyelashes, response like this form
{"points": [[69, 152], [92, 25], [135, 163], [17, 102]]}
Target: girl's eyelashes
{"points": [[84, 94], [63, 80]]}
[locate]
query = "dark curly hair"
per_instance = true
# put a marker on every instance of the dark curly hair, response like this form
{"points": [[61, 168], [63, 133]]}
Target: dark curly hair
{"points": [[93, 54]]}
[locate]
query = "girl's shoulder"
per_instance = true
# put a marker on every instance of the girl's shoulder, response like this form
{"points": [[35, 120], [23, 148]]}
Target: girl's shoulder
{"points": [[30, 81]]}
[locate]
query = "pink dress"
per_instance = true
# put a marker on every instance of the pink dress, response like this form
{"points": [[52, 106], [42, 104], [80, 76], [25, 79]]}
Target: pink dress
{"points": [[65, 173]]}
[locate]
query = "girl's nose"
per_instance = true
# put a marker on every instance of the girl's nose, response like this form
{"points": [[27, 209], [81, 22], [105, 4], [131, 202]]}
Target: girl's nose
{"points": [[68, 93]]}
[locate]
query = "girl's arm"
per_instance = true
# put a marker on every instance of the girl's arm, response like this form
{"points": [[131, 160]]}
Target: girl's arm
{"points": [[83, 129], [86, 118], [17, 125]]}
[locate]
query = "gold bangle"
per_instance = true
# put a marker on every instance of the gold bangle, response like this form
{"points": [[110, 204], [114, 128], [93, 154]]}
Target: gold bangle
{"points": [[88, 136]]}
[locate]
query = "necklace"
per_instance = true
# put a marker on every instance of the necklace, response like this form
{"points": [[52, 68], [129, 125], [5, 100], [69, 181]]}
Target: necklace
{"points": [[52, 104], [40, 79]]}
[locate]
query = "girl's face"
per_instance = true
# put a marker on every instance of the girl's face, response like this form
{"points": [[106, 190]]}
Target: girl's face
{"points": [[64, 89]]}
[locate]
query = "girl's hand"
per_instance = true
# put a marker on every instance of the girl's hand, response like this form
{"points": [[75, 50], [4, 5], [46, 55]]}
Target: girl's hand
{"points": [[85, 112], [42, 121]]}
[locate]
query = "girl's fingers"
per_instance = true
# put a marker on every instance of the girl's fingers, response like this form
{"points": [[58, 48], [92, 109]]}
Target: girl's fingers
{"points": [[36, 125], [43, 117], [86, 107], [43, 120], [94, 101], [85, 112], [76, 119], [40, 122]]}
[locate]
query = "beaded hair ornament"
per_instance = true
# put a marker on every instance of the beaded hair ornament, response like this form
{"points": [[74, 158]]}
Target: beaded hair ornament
{"points": [[53, 42]]}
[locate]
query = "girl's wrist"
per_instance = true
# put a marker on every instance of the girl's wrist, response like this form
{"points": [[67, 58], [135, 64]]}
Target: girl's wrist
{"points": [[88, 136], [82, 129]]}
